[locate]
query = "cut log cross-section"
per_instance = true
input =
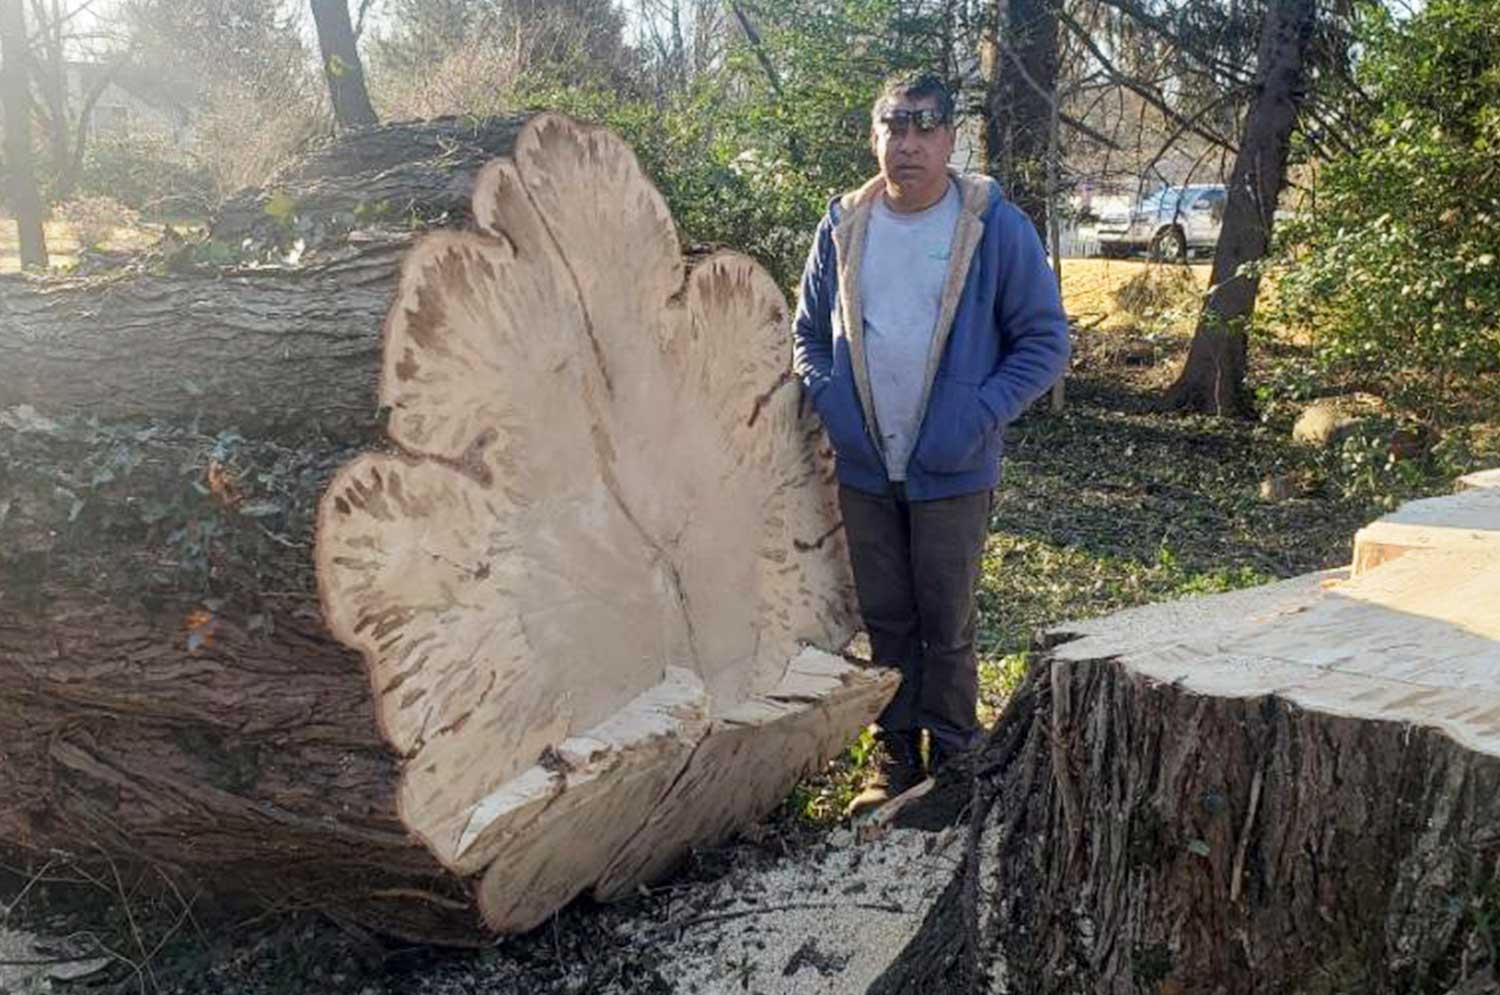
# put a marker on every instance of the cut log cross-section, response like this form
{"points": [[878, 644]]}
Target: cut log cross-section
{"points": [[1293, 788], [580, 612], [584, 586]]}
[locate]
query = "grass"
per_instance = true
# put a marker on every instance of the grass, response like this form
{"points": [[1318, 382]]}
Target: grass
{"points": [[1092, 289]]}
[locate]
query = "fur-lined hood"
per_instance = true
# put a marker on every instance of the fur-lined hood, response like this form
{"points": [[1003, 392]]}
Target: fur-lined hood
{"points": [[976, 190]]}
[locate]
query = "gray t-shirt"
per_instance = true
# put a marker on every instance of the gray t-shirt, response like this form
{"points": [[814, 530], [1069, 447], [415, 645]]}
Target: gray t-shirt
{"points": [[901, 286]]}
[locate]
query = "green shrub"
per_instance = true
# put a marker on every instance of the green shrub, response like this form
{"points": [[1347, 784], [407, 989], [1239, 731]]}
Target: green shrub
{"points": [[147, 173], [1395, 270], [746, 158], [94, 219]]}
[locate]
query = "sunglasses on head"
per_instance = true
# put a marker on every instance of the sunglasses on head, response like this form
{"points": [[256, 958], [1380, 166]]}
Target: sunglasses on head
{"points": [[924, 120]]}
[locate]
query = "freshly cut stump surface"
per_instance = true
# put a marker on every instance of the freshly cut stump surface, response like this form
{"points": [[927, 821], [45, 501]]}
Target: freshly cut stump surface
{"points": [[586, 582], [1294, 788]]}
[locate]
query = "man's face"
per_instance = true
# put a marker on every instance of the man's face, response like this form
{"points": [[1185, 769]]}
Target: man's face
{"points": [[913, 161]]}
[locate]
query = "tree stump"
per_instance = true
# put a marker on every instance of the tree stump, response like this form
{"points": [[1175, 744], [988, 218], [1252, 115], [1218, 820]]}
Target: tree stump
{"points": [[1288, 789], [580, 613]]}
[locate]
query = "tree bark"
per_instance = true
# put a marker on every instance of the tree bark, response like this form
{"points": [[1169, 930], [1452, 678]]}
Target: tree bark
{"points": [[1212, 379], [19, 157], [288, 355], [268, 350], [342, 67], [1287, 789], [170, 695], [1018, 63]]}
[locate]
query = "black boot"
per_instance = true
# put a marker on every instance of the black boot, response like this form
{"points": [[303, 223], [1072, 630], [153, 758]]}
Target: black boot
{"points": [[898, 768]]}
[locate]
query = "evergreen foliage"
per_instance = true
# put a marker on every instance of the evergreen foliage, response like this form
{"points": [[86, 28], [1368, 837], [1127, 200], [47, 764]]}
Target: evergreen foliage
{"points": [[1395, 269], [751, 161]]}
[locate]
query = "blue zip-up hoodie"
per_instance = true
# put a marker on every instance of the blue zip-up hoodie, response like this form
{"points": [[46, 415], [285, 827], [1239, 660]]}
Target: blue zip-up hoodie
{"points": [[1001, 340]]}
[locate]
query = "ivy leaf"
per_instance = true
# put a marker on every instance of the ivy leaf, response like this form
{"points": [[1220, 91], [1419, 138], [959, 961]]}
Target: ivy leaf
{"points": [[281, 207]]}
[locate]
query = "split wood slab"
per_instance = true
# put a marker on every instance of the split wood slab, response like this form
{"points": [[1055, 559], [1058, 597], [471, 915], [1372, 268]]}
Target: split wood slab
{"points": [[1468, 520]]}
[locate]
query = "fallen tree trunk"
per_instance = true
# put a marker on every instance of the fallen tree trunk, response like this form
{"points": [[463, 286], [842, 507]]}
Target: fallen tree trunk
{"points": [[557, 629], [231, 334], [286, 354], [168, 691], [1289, 789]]}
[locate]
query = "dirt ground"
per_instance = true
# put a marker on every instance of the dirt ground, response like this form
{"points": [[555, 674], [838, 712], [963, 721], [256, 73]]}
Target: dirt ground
{"points": [[1090, 286]]}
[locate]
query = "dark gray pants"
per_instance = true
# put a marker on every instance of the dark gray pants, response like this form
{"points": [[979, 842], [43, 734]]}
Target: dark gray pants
{"points": [[916, 564]]}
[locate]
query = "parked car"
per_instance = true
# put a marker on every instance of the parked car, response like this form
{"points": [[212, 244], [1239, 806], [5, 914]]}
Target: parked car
{"points": [[1171, 223]]}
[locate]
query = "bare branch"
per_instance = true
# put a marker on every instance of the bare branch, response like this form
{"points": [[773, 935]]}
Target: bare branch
{"points": [[359, 22], [1051, 97], [1150, 94], [1159, 27], [1181, 129], [80, 139], [756, 46], [1088, 132]]}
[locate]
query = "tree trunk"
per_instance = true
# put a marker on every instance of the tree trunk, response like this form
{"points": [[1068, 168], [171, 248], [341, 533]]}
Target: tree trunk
{"points": [[1018, 63], [272, 351], [19, 159], [170, 694], [49, 61], [552, 632], [1287, 789], [342, 67], [1212, 380]]}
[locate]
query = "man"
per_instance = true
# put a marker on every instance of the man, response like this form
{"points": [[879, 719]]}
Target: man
{"points": [[928, 320]]}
